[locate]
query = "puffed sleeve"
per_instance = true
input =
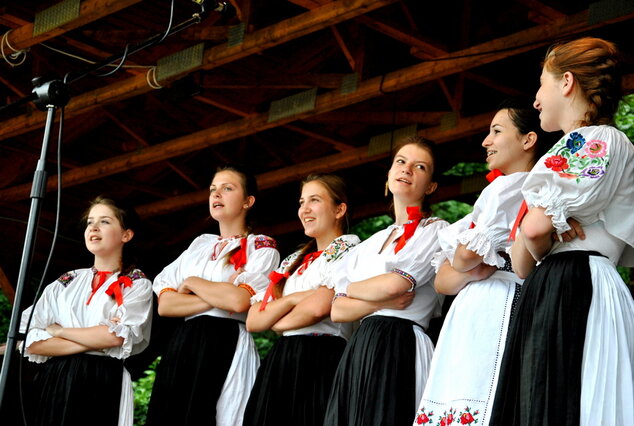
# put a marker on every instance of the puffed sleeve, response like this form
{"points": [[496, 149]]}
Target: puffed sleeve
{"points": [[135, 318], [171, 277], [262, 258], [413, 261], [448, 241], [338, 276], [587, 175], [334, 254], [493, 215], [286, 263], [44, 314]]}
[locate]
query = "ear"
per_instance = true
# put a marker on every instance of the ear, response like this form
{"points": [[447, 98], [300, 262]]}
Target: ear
{"points": [[248, 203], [530, 141], [127, 235], [432, 187], [341, 210], [568, 83]]}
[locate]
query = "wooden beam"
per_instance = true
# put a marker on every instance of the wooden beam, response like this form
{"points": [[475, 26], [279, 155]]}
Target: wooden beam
{"points": [[344, 48], [277, 80], [90, 10], [401, 79], [540, 13], [274, 35], [399, 118]]}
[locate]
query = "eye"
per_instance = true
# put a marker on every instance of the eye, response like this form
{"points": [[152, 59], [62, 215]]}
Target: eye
{"points": [[399, 161], [105, 221], [301, 203], [496, 131], [227, 188], [421, 167], [212, 189]]}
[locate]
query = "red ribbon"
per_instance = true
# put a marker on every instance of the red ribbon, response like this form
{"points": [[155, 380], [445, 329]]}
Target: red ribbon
{"points": [[115, 289], [239, 258], [414, 215], [101, 276], [274, 278], [493, 175], [308, 259], [518, 220]]}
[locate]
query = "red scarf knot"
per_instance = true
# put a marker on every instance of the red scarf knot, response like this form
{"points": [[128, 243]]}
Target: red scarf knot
{"points": [[239, 258], [274, 278], [115, 291], [414, 215], [308, 259], [518, 220], [99, 278], [493, 175]]}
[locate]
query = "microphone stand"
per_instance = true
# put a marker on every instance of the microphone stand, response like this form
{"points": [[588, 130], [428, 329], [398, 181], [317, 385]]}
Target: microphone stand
{"points": [[49, 96]]}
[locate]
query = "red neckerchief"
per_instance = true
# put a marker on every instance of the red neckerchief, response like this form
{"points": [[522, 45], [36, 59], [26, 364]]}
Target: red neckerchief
{"points": [[308, 259], [115, 288], [518, 220], [274, 278], [98, 279], [239, 258], [491, 176], [414, 215]]}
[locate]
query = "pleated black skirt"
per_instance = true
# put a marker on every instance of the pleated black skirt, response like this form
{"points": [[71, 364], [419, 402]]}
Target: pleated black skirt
{"points": [[79, 390], [375, 383], [540, 377], [192, 372], [294, 382]]}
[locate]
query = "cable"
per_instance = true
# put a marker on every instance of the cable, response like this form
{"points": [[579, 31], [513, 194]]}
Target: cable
{"points": [[125, 56], [169, 25], [16, 53]]}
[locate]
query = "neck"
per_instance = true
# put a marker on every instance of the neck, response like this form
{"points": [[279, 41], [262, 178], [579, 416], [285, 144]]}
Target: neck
{"points": [[233, 228], [111, 264], [400, 210], [575, 115], [324, 240], [524, 165]]}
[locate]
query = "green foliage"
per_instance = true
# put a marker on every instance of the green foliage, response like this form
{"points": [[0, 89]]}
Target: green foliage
{"points": [[370, 226], [625, 273], [143, 391], [5, 317], [624, 117], [451, 210], [466, 169], [264, 341]]}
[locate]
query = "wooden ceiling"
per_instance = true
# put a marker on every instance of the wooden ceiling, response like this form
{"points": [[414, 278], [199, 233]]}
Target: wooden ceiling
{"points": [[373, 66]]}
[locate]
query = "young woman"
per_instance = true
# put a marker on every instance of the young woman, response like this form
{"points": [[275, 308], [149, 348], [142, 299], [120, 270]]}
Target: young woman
{"points": [[570, 353], [210, 364], [387, 282], [474, 265], [87, 323], [294, 381]]}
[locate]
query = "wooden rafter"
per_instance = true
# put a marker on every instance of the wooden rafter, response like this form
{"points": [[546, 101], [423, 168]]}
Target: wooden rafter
{"points": [[541, 13], [274, 35], [414, 75]]}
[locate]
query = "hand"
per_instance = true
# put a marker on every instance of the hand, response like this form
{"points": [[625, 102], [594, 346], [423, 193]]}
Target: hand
{"points": [[575, 231], [183, 288], [54, 329], [481, 272], [400, 302]]}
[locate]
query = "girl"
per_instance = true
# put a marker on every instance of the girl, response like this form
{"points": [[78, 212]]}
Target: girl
{"points": [[210, 364], [383, 369], [570, 353], [87, 323], [474, 265], [294, 381]]}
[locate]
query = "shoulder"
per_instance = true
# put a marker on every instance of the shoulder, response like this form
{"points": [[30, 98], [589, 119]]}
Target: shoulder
{"points": [[504, 183], [339, 246], [262, 241], [288, 261], [68, 277], [136, 274], [205, 240], [433, 223]]}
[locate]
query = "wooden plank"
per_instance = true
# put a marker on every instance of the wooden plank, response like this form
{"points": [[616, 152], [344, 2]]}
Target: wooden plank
{"points": [[90, 10], [276, 34]]}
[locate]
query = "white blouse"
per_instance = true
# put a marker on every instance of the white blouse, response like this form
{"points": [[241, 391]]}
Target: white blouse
{"points": [[589, 175], [207, 258], [413, 261], [317, 274], [65, 302]]}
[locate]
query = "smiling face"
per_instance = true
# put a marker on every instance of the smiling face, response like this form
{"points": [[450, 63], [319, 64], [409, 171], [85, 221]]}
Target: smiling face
{"points": [[318, 212], [227, 198], [104, 236], [504, 144], [549, 101], [410, 177]]}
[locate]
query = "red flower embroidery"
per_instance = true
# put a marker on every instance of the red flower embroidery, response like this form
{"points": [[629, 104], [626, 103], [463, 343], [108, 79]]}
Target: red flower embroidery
{"points": [[422, 418], [567, 175], [466, 419], [557, 163]]}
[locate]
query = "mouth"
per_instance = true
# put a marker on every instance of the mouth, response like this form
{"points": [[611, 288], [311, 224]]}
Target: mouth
{"points": [[490, 152], [217, 205], [403, 180], [309, 219], [94, 238]]}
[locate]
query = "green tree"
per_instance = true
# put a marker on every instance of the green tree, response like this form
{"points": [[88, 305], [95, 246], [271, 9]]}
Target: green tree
{"points": [[624, 117]]}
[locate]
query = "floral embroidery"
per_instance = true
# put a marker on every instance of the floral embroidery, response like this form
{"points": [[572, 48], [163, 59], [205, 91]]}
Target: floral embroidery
{"points": [[286, 263], [422, 417], [67, 278], [467, 417], [136, 274], [447, 417], [574, 158], [262, 241], [337, 248]]}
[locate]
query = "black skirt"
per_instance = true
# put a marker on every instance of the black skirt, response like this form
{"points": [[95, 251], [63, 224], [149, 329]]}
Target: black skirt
{"points": [[375, 383], [192, 372], [79, 390], [540, 376], [294, 382]]}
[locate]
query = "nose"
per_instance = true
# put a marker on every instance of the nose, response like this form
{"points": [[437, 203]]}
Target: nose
{"points": [[407, 169], [487, 141], [536, 104]]}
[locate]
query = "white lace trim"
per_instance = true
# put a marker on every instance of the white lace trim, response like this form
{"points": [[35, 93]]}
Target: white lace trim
{"points": [[480, 243]]}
